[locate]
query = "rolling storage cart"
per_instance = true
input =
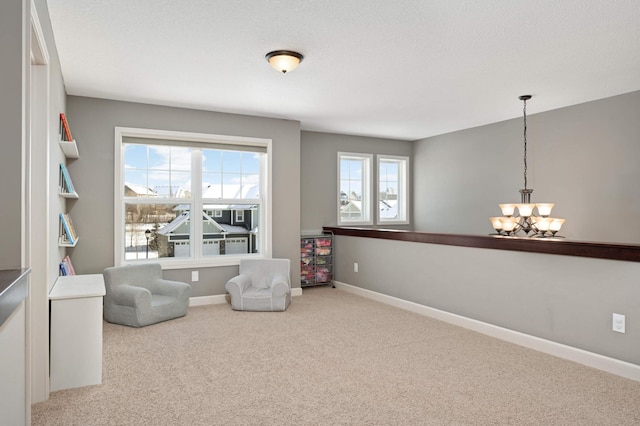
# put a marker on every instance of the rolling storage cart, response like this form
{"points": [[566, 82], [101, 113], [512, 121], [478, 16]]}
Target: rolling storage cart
{"points": [[316, 260]]}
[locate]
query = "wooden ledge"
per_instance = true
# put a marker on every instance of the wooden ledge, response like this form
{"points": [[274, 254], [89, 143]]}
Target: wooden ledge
{"points": [[625, 252]]}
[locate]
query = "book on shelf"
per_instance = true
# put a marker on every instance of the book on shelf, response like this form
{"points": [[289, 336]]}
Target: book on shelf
{"points": [[65, 232], [66, 185], [65, 129], [66, 268], [71, 226]]}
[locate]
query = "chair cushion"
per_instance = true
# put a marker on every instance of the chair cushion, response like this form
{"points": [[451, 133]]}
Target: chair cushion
{"points": [[260, 282], [253, 292], [160, 300]]}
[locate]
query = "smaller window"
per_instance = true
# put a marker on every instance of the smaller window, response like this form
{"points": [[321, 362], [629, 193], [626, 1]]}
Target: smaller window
{"points": [[393, 189], [217, 213], [354, 189], [239, 215]]}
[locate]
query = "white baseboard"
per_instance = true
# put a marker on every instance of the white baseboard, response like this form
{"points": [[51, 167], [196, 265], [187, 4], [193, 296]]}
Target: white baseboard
{"points": [[208, 300], [224, 298], [590, 359]]}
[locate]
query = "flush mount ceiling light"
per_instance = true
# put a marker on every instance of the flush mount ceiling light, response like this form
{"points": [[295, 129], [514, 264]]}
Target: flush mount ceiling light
{"points": [[284, 60], [532, 219]]}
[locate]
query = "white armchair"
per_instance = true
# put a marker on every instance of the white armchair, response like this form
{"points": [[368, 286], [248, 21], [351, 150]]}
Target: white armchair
{"points": [[262, 285]]}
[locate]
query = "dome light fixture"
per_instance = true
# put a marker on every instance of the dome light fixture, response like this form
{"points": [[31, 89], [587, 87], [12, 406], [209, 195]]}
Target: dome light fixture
{"points": [[284, 60]]}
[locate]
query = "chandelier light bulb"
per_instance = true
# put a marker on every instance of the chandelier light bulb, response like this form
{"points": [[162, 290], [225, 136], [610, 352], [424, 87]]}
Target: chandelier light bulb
{"points": [[508, 209], [525, 210], [544, 209], [496, 222]]}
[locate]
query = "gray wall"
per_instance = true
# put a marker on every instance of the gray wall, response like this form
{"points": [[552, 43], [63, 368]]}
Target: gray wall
{"points": [[93, 122], [13, 68], [319, 172], [569, 300], [584, 158]]}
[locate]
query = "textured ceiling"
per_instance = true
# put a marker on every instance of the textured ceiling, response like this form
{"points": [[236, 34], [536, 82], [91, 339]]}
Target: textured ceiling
{"points": [[404, 69]]}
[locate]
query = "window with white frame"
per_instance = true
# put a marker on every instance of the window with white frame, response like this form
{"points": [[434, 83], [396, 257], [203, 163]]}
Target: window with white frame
{"points": [[354, 189], [393, 189], [184, 198]]}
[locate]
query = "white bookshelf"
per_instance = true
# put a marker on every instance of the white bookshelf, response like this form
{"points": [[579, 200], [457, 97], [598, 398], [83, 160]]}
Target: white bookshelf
{"points": [[69, 148]]}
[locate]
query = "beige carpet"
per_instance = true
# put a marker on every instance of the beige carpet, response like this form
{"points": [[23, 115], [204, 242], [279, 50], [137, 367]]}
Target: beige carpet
{"points": [[333, 358]]}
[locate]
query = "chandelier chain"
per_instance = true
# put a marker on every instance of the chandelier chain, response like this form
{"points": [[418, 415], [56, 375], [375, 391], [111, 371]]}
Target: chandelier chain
{"points": [[524, 110]]}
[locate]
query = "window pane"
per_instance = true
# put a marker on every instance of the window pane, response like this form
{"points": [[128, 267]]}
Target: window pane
{"points": [[168, 174], [180, 159], [135, 184], [231, 174], [250, 163], [135, 156], [159, 182], [231, 162], [392, 193], [230, 229], [231, 185], [212, 185], [168, 229], [353, 198], [211, 160], [159, 157], [355, 169]]}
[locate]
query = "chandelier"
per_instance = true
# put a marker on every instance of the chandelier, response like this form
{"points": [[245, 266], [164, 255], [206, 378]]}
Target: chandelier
{"points": [[533, 220]]}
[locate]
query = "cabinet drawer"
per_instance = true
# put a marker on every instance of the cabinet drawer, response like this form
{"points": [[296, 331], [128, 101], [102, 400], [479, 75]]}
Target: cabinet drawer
{"points": [[323, 242], [323, 277]]}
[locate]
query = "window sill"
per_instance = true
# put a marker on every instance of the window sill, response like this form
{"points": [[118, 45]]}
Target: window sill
{"points": [[191, 264]]}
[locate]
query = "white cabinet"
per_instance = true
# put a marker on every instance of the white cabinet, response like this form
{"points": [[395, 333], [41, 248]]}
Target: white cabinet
{"points": [[76, 331]]}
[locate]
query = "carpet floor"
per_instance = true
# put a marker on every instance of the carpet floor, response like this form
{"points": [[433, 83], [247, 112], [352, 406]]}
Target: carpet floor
{"points": [[333, 358]]}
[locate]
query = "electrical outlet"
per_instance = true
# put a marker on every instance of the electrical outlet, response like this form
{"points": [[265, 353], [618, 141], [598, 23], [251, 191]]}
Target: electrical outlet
{"points": [[195, 276], [355, 266], [619, 323]]}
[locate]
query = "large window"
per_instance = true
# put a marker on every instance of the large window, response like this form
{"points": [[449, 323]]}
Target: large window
{"points": [[354, 189], [185, 199], [393, 189]]}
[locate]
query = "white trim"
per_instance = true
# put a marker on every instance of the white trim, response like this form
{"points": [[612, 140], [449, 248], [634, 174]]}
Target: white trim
{"points": [[219, 299], [367, 182], [590, 359], [39, 52], [38, 231]]}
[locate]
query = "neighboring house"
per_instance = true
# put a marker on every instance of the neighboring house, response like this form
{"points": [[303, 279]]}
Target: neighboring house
{"points": [[352, 209], [388, 209], [133, 190], [227, 228]]}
